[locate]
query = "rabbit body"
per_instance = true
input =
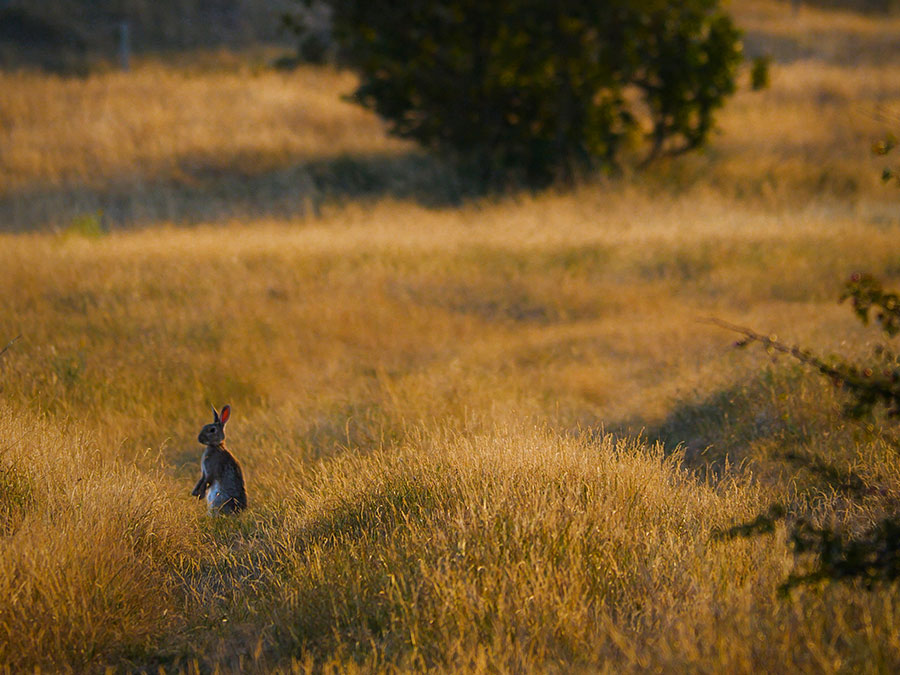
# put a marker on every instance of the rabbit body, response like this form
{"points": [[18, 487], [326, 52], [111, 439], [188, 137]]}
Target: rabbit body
{"points": [[221, 479], [225, 483]]}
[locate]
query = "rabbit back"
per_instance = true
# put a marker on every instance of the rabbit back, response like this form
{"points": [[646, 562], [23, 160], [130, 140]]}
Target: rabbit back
{"points": [[226, 491]]}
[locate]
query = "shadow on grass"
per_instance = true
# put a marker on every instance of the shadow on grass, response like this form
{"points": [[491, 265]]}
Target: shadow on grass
{"points": [[723, 429], [781, 422], [202, 191]]}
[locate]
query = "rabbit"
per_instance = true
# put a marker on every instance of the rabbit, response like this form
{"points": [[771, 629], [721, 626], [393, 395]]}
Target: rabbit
{"points": [[221, 479]]}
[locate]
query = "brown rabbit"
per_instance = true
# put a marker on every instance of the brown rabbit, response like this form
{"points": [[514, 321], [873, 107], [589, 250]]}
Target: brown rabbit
{"points": [[220, 472]]}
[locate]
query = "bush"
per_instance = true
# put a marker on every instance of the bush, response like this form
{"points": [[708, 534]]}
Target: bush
{"points": [[534, 91]]}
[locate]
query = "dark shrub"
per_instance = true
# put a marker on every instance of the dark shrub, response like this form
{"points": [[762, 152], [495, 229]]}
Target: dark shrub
{"points": [[29, 40], [531, 90]]}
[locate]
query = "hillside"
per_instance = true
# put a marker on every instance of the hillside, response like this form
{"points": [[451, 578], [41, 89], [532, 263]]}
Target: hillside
{"points": [[480, 434], [163, 24], [78, 36], [423, 405]]}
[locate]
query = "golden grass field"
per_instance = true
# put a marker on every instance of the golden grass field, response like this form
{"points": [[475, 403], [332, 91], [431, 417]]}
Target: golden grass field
{"points": [[486, 435]]}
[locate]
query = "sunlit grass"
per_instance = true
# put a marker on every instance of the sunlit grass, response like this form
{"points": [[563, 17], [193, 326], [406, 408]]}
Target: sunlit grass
{"points": [[161, 122], [387, 368], [447, 417]]}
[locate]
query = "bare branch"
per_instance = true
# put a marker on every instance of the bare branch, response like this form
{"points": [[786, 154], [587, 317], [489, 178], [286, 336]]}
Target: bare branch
{"points": [[10, 344], [771, 342], [867, 385]]}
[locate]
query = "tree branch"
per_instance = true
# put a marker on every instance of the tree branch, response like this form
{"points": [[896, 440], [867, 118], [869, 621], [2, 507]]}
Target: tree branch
{"points": [[10, 344]]}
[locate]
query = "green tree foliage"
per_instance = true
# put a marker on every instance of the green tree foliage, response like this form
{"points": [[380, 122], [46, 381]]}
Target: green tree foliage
{"points": [[536, 91]]}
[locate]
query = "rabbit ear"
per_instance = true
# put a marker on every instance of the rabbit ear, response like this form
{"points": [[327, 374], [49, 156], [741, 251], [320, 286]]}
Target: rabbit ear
{"points": [[226, 413], [215, 414]]}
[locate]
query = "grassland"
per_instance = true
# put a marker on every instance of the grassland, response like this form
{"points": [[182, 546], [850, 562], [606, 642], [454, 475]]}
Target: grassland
{"points": [[480, 435]]}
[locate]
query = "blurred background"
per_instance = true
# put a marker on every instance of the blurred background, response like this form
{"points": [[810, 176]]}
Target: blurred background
{"points": [[74, 35]]}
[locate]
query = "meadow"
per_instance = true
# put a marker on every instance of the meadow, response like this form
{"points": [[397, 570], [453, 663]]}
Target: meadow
{"points": [[480, 433]]}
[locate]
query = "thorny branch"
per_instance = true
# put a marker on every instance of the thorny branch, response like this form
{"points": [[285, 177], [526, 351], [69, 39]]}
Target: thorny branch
{"points": [[868, 385]]}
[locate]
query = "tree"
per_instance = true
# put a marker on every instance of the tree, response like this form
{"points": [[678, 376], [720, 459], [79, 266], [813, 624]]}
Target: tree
{"points": [[534, 91]]}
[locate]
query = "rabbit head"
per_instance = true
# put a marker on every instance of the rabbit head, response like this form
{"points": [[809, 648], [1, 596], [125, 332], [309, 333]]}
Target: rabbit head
{"points": [[214, 433]]}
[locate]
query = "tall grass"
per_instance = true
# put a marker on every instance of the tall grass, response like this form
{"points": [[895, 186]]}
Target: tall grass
{"points": [[492, 437], [407, 384]]}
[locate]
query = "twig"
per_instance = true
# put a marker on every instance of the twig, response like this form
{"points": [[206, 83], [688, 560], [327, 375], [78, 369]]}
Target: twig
{"points": [[771, 342], [866, 385], [10, 344]]}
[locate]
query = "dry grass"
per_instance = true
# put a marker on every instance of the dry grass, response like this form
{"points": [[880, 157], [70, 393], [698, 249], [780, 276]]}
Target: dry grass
{"points": [[160, 122], [447, 417], [194, 141], [220, 139]]}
